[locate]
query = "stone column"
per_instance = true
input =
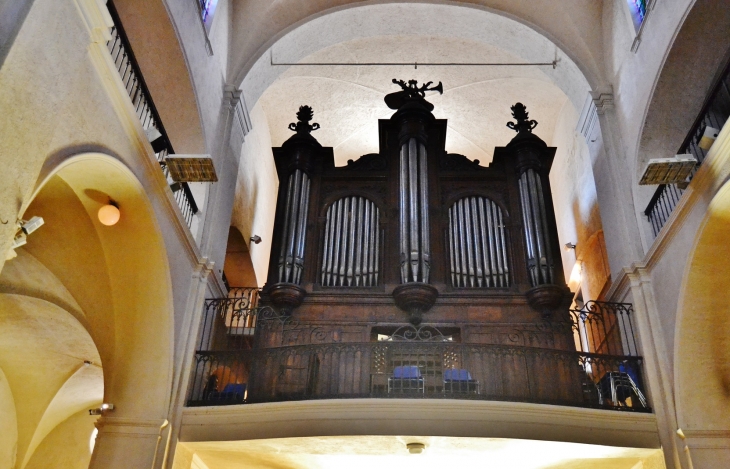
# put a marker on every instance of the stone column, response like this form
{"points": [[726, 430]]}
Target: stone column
{"points": [[127, 442]]}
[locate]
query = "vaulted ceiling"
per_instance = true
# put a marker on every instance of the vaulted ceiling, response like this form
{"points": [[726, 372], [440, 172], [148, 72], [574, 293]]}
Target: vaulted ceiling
{"points": [[348, 99]]}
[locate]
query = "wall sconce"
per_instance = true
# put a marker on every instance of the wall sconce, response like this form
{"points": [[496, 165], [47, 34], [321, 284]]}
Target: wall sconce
{"points": [[256, 239], [25, 227], [100, 411], [576, 276], [415, 448], [109, 214]]}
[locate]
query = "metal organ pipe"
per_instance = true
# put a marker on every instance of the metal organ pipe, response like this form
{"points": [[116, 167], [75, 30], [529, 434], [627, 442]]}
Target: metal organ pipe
{"points": [[350, 256], [291, 258], [415, 252], [539, 250], [477, 242]]}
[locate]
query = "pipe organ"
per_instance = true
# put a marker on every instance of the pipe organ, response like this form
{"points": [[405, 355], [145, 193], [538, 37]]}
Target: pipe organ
{"points": [[291, 260], [350, 255], [414, 232], [477, 244], [415, 252]]}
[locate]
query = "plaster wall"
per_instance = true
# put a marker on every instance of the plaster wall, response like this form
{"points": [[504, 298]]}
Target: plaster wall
{"points": [[61, 104], [575, 200], [256, 191], [9, 435], [67, 446], [186, 70], [659, 88]]}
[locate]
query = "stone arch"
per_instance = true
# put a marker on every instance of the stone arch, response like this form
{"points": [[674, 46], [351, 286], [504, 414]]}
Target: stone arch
{"points": [[118, 275], [577, 41], [472, 22], [238, 267], [690, 68], [702, 350]]}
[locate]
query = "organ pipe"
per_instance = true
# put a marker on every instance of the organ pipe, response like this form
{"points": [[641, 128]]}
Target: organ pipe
{"points": [[415, 253], [291, 258], [477, 243], [539, 250], [351, 247]]}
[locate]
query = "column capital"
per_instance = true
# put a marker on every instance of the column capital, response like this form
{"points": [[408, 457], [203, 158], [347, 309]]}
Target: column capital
{"points": [[603, 99], [129, 426]]}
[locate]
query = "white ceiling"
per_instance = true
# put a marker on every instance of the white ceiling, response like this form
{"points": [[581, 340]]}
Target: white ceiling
{"points": [[389, 452], [348, 100]]}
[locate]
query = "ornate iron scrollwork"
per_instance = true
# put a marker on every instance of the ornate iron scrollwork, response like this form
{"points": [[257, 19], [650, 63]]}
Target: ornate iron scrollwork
{"points": [[423, 333]]}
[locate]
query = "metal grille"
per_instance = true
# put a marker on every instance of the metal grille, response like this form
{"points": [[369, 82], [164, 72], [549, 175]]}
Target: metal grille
{"points": [[478, 244], [351, 244]]}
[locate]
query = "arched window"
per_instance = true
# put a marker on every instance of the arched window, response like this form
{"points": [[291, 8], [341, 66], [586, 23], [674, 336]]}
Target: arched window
{"points": [[478, 244], [351, 244]]}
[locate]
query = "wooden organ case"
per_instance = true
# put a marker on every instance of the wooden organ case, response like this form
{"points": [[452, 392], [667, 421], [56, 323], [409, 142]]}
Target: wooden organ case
{"points": [[414, 245]]}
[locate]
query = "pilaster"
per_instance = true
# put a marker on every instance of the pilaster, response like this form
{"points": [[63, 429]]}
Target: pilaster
{"points": [[126, 442], [656, 363]]}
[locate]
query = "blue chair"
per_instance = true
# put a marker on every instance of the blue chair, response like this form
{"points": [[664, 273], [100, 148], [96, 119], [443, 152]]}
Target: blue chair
{"points": [[231, 393], [459, 381], [406, 379]]}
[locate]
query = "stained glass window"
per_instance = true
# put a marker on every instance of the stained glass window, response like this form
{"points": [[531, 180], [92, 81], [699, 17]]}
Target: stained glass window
{"points": [[638, 11], [206, 8]]}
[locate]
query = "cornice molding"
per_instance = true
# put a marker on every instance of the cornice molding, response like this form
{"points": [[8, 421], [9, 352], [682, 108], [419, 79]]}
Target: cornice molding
{"points": [[235, 103], [603, 100]]}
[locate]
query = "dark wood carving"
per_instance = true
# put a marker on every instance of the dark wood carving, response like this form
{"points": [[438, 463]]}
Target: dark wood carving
{"points": [[514, 314]]}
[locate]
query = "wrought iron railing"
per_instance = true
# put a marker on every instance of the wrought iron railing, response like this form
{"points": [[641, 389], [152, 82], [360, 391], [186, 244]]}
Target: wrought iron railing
{"points": [[714, 114], [249, 354], [229, 323], [605, 328], [418, 370], [133, 82]]}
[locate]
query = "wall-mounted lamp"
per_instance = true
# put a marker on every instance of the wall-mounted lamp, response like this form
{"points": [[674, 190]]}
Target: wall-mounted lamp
{"points": [[569, 246], [25, 227], [100, 411], [109, 214], [576, 276], [256, 239], [415, 448]]}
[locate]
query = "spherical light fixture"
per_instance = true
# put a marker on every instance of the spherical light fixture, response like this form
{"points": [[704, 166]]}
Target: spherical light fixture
{"points": [[109, 214]]}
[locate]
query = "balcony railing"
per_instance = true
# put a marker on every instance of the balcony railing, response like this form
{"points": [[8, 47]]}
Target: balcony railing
{"points": [[714, 114], [133, 82], [251, 354]]}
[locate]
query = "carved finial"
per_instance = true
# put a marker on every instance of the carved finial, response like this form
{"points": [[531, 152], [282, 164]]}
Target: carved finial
{"points": [[523, 124], [413, 91], [304, 115]]}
